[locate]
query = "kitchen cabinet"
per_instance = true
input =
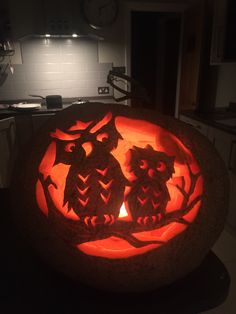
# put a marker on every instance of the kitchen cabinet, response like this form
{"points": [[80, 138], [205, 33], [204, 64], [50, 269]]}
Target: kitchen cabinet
{"points": [[225, 144], [198, 80], [223, 47], [218, 33], [55, 17], [27, 125], [22, 17], [199, 126], [15, 133], [8, 150], [38, 120], [60, 17]]}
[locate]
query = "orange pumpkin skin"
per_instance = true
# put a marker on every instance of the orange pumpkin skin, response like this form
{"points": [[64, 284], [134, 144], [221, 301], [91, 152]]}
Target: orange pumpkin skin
{"points": [[121, 199]]}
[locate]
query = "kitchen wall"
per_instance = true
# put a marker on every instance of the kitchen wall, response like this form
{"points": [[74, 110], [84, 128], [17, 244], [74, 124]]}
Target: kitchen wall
{"points": [[69, 67], [226, 89], [72, 68]]}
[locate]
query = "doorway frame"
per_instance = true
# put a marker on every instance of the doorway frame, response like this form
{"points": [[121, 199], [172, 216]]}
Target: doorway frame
{"points": [[153, 7]]}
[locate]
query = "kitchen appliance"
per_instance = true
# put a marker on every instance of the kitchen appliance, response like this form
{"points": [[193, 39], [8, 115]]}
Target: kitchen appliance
{"points": [[51, 101]]}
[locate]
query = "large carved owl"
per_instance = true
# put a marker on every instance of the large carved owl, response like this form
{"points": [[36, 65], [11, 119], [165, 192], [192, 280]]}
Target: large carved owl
{"points": [[149, 195], [95, 183]]}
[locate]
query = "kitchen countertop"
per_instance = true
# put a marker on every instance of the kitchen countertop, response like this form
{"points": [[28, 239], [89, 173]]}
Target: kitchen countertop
{"points": [[6, 111], [11, 112], [214, 119]]}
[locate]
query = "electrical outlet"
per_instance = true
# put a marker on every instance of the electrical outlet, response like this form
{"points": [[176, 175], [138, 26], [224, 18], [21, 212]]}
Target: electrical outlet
{"points": [[119, 69], [103, 90]]}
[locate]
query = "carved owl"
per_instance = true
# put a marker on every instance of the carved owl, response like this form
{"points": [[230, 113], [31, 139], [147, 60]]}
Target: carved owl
{"points": [[149, 195], [95, 183]]}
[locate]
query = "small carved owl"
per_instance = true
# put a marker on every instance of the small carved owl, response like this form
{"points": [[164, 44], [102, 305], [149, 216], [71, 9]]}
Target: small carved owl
{"points": [[149, 195], [95, 183]]}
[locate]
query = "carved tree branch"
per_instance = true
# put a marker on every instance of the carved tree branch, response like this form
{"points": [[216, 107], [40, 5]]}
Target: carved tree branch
{"points": [[76, 232]]}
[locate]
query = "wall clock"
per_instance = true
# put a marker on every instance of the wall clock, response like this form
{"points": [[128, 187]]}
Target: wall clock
{"points": [[100, 13]]}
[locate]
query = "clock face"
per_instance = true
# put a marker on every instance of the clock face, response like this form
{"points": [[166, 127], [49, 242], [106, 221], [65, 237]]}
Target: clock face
{"points": [[100, 13]]}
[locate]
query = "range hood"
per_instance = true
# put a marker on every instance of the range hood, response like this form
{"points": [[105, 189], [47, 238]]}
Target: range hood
{"points": [[54, 19], [74, 35]]}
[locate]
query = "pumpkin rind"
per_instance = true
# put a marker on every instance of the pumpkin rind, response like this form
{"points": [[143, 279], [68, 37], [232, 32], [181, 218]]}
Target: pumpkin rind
{"points": [[152, 264]]}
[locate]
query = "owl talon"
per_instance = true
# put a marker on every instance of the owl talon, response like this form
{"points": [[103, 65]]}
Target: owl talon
{"points": [[90, 221], [159, 216], [107, 219], [143, 220], [96, 220], [148, 220], [86, 220], [93, 220], [154, 219], [139, 220], [112, 220]]}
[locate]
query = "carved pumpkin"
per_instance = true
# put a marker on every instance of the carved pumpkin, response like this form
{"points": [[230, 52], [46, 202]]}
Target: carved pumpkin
{"points": [[121, 199]]}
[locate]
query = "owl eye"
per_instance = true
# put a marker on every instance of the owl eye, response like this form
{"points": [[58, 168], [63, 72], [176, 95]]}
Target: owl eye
{"points": [[143, 164], [70, 147], [161, 166], [101, 137]]}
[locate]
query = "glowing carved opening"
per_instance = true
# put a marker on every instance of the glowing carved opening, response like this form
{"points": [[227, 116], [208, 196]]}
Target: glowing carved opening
{"points": [[102, 172], [105, 186], [159, 178]]}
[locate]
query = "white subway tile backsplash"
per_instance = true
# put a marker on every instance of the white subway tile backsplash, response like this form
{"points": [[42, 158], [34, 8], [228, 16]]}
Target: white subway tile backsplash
{"points": [[74, 84], [98, 67], [18, 94], [45, 84], [46, 67], [44, 92], [91, 75], [76, 92], [74, 75], [19, 85], [30, 58], [68, 58], [46, 76], [68, 67]]}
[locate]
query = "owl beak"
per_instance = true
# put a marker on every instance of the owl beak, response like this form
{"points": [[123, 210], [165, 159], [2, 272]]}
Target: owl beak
{"points": [[151, 173], [88, 147]]}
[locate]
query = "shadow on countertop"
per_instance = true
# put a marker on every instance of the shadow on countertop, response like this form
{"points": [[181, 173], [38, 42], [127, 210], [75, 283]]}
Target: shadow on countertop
{"points": [[28, 285]]}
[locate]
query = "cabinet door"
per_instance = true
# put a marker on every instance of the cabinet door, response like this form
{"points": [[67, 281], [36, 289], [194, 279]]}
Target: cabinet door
{"points": [[231, 219], [218, 32], [191, 55], [8, 150], [61, 17], [198, 81], [38, 120], [225, 144], [199, 126], [22, 16], [232, 175]]}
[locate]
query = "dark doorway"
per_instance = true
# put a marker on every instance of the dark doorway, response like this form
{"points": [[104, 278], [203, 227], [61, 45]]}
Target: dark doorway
{"points": [[155, 39]]}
